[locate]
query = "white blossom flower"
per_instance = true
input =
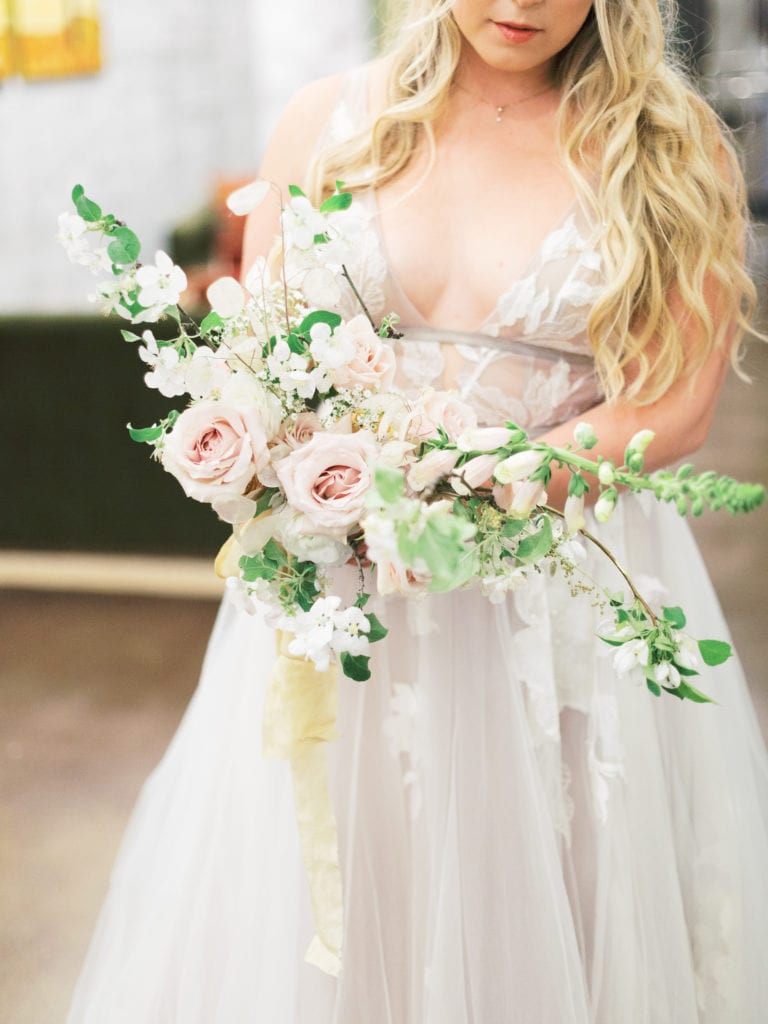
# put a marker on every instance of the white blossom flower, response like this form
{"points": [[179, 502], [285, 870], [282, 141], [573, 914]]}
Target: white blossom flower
{"points": [[687, 655], [168, 370], [207, 372], [329, 350], [428, 470], [381, 538], [666, 674], [160, 286], [349, 633], [518, 466], [631, 657], [301, 222], [313, 631], [574, 513], [483, 439], [237, 593], [292, 370]]}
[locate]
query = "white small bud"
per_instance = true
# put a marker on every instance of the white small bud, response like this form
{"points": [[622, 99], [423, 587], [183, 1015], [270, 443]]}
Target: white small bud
{"points": [[606, 474], [640, 441], [606, 503], [574, 513]]}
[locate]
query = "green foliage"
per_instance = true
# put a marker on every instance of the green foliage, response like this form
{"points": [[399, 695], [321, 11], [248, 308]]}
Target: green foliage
{"points": [[87, 209], [264, 500], [294, 191], [714, 652], [377, 631], [145, 435], [338, 201], [675, 617], [389, 484], [355, 666], [319, 316], [536, 545], [124, 248]]}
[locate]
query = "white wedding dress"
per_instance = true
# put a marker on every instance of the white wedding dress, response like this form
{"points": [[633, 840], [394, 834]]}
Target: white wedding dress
{"points": [[524, 837]]}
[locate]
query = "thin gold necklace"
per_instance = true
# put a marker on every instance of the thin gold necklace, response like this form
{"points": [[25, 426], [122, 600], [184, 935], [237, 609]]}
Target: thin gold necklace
{"points": [[501, 108]]}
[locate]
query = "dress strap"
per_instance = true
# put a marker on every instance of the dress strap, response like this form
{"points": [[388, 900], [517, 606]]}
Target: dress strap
{"points": [[350, 111]]}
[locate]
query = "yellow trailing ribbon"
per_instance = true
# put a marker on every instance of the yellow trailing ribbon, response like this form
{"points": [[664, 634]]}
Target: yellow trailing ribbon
{"points": [[300, 714]]}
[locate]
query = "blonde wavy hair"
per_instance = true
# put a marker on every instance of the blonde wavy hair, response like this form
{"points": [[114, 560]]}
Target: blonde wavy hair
{"points": [[647, 156]]}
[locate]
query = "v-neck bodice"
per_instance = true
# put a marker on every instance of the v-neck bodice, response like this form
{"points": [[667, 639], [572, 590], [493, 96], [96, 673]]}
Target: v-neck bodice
{"points": [[530, 359]]}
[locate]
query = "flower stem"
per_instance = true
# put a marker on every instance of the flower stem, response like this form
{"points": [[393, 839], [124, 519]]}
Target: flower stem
{"points": [[614, 561], [358, 296]]}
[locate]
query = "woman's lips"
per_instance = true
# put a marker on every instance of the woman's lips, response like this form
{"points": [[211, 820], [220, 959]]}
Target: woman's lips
{"points": [[516, 33]]}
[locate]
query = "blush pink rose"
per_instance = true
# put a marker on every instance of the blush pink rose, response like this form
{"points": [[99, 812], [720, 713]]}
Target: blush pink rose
{"points": [[328, 477], [444, 409], [373, 362], [215, 448]]}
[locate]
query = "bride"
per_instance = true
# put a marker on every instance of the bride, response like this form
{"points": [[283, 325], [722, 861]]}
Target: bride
{"points": [[524, 836]]}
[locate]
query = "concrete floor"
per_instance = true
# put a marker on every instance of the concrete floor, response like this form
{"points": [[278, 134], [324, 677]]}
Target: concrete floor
{"points": [[93, 686]]}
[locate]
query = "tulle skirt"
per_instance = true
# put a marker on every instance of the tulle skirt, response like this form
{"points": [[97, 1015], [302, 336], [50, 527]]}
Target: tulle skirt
{"points": [[523, 836]]}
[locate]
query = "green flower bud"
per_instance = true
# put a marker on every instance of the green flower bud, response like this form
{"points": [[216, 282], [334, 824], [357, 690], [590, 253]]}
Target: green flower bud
{"points": [[584, 436]]}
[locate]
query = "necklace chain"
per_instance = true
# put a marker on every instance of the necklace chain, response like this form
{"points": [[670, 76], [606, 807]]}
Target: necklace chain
{"points": [[500, 108]]}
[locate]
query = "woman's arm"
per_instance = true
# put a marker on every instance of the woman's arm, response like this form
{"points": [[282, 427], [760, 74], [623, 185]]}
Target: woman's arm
{"points": [[286, 160], [681, 419]]}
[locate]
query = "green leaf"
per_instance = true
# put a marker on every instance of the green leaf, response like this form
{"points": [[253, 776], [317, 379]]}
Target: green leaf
{"points": [[513, 527], [578, 486], [130, 336], [687, 692], [339, 201], [264, 501], [613, 643], [77, 191], [653, 687], [390, 483], [210, 322], [675, 617], [296, 344], [377, 632], [274, 553], [294, 190], [124, 247], [442, 546], [320, 316], [362, 600], [254, 567], [145, 435], [714, 652], [532, 548], [355, 667], [87, 209]]}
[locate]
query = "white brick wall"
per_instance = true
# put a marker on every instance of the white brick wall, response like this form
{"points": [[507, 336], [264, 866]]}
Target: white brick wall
{"points": [[188, 92]]}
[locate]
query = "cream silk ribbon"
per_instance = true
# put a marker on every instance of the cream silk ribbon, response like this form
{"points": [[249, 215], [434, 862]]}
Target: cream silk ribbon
{"points": [[300, 712]]}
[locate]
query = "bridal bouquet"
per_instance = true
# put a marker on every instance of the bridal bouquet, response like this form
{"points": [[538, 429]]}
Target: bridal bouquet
{"points": [[298, 435]]}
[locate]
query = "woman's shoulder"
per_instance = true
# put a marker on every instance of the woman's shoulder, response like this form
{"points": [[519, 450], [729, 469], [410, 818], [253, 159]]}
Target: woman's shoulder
{"points": [[306, 115]]}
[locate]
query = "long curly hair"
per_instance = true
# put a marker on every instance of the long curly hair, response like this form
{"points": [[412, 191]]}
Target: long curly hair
{"points": [[648, 157]]}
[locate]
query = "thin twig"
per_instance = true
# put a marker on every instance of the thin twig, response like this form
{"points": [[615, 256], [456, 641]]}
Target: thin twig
{"points": [[611, 558], [358, 296]]}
